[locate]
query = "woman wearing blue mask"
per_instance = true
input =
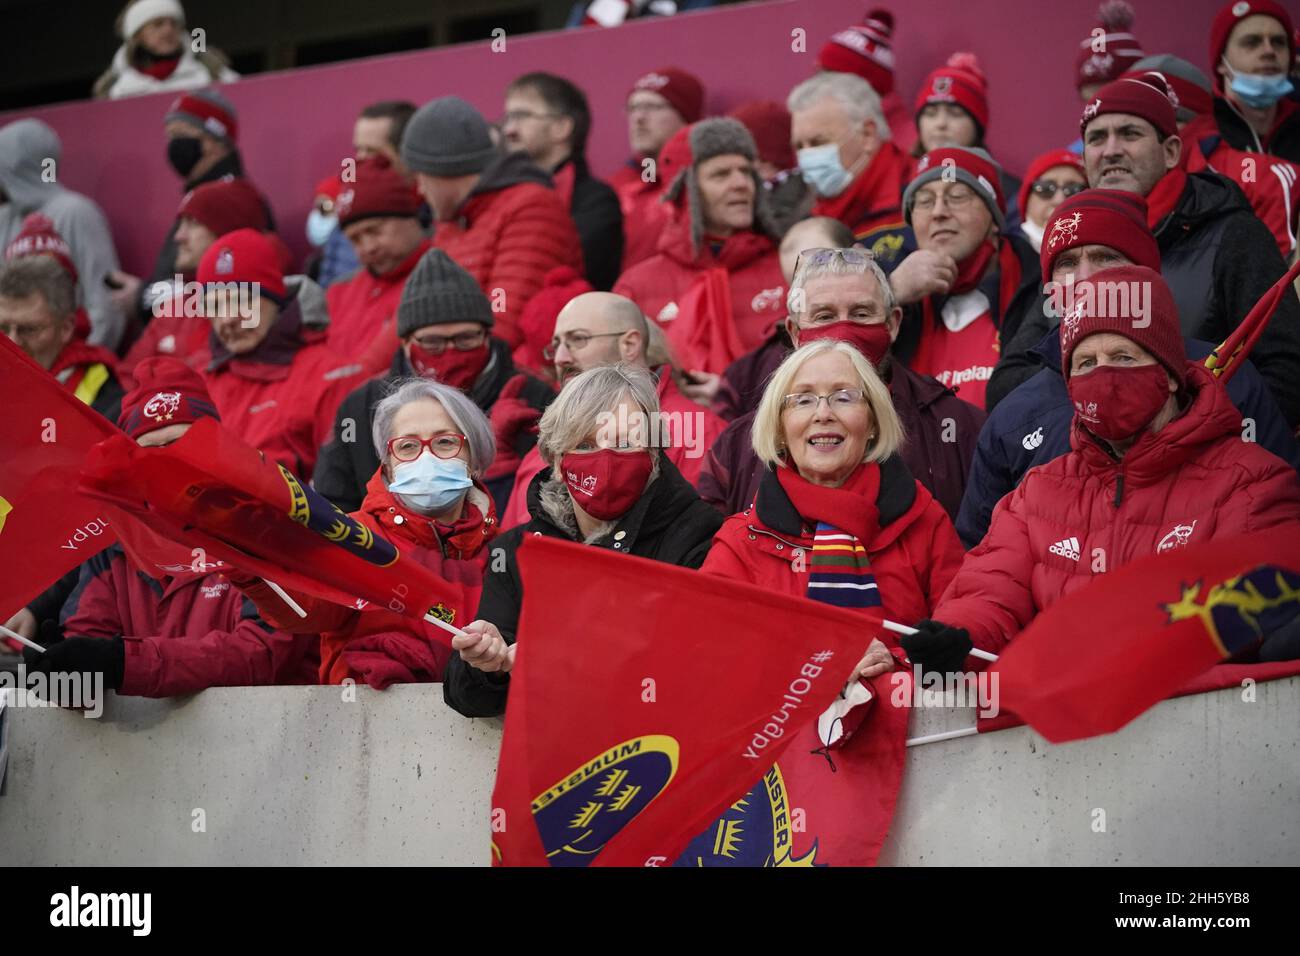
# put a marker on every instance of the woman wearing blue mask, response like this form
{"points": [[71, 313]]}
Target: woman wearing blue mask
{"points": [[427, 497]]}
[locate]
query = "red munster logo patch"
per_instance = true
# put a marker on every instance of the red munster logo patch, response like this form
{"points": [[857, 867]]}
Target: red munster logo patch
{"points": [[162, 407]]}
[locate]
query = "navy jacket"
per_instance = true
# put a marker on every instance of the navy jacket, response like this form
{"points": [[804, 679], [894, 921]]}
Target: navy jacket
{"points": [[1031, 426]]}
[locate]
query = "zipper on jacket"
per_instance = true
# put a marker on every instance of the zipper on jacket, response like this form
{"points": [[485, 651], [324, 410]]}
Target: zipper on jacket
{"points": [[1119, 488]]}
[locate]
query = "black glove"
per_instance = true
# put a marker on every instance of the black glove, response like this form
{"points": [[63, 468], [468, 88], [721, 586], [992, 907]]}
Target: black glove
{"points": [[937, 647], [81, 655]]}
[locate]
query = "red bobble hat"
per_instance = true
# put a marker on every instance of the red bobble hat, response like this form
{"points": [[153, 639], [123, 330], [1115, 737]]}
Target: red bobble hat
{"points": [[39, 237], [969, 165], [329, 186], [1147, 96], [1041, 165], [864, 50], [769, 123], [1233, 13], [244, 255], [380, 190], [1109, 50], [537, 321], [167, 392], [1100, 217], [224, 206], [208, 110], [961, 82], [1156, 329], [683, 91]]}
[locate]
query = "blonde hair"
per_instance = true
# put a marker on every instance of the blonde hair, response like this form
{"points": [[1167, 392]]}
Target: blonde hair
{"points": [[768, 433], [583, 401]]}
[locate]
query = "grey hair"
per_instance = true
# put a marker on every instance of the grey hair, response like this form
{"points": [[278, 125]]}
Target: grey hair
{"points": [[578, 410], [796, 302], [30, 274], [466, 416], [854, 95]]}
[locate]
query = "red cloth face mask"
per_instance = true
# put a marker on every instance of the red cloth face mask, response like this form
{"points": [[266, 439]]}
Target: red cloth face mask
{"points": [[871, 340], [1116, 403], [451, 366], [606, 483]]}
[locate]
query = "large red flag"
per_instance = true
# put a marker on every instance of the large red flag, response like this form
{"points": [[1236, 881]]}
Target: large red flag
{"points": [[1096, 659], [647, 698], [210, 491], [703, 336], [46, 527]]}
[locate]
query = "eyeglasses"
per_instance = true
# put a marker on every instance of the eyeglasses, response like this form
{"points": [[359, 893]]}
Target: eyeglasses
{"points": [[520, 116], [461, 342], [954, 198], [410, 447], [824, 255], [1046, 188], [808, 401], [574, 342]]}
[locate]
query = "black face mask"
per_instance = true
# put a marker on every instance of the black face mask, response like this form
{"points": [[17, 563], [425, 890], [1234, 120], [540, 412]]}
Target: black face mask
{"points": [[183, 153]]}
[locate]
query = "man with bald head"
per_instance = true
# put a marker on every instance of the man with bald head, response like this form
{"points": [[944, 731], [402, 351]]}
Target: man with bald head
{"points": [[601, 328]]}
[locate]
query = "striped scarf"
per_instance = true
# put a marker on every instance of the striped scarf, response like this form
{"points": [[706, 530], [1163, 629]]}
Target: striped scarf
{"points": [[839, 571]]}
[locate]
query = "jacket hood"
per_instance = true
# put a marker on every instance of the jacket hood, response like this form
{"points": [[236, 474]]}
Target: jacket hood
{"points": [[1207, 418], [509, 169], [1207, 196], [311, 300], [24, 147]]}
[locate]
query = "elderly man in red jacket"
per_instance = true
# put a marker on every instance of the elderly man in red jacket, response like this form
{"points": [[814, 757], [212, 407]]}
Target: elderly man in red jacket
{"points": [[161, 631], [275, 382], [498, 216], [379, 215], [1157, 462]]}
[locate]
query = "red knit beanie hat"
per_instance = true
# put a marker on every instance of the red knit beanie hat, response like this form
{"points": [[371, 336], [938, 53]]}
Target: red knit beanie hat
{"points": [[960, 81], [769, 123], [38, 237], [864, 50], [537, 321], [1100, 217], [683, 91], [1232, 13], [380, 190], [1132, 301], [1147, 95], [167, 392], [1042, 165], [1109, 50], [244, 256], [224, 206]]}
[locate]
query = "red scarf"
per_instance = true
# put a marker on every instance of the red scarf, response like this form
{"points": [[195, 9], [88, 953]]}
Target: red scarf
{"points": [[874, 193], [163, 67], [80, 353], [1164, 197], [973, 268], [850, 508]]}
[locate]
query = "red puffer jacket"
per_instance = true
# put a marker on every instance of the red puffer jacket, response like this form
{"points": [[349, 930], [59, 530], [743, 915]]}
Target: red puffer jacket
{"points": [[752, 264], [363, 312], [1086, 513], [511, 230], [913, 557], [184, 633], [380, 647]]}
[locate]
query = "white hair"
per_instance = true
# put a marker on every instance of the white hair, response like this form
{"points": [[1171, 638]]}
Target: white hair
{"points": [[466, 416], [853, 94]]}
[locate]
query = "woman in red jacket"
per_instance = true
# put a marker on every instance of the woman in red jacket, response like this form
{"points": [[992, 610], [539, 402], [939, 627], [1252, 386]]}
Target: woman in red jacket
{"points": [[837, 517], [1159, 461], [427, 498]]}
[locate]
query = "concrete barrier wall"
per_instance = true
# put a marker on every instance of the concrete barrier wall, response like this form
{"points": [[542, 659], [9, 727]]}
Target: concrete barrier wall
{"points": [[297, 775]]}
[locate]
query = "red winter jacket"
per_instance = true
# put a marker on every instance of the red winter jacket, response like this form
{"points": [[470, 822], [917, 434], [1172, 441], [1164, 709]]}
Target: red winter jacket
{"points": [[381, 647], [184, 633], [913, 556], [363, 312], [511, 230], [752, 264], [281, 397], [1086, 513], [644, 216], [689, 443]]}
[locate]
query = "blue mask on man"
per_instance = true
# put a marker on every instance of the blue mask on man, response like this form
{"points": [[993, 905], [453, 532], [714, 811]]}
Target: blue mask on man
{"points": [[320, 227], [821, 169], [1260, 91], [431, 484]]}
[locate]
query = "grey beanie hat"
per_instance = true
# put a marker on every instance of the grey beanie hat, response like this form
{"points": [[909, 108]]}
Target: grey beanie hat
{"points": [[709, 138], [439, 291], [447, 137], [1170, 65], [987, 191]]}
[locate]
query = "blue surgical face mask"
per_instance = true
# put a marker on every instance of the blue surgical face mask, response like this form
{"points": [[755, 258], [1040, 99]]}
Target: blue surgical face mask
{"points": [[822, 169], [1257, 90], [430, 484], [320, 227]]}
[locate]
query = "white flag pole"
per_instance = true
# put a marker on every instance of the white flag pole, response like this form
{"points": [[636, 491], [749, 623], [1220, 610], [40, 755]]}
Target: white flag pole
{"points": [[904, 629], [20, 639]]}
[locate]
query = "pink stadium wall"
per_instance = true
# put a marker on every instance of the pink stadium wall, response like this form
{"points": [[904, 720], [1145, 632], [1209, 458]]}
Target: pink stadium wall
{"points": [[295, 126]]}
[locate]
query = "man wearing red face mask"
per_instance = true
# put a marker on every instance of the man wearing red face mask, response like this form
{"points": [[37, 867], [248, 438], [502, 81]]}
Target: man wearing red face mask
{"points": [[1157, 462], [843, 294], [443, 326]]}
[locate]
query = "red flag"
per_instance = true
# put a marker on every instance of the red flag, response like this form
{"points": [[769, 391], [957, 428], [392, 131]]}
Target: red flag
{"points": [[46, 527], [1146, 630], [646, 698], [1230, 354], [703, 336], [210, 491]]}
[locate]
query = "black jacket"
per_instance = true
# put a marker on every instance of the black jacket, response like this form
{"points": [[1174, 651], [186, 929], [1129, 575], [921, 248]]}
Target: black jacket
{"points": [[599, 219], [1218, 259], [1237, 133], [669, 524], [345, 466]]}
